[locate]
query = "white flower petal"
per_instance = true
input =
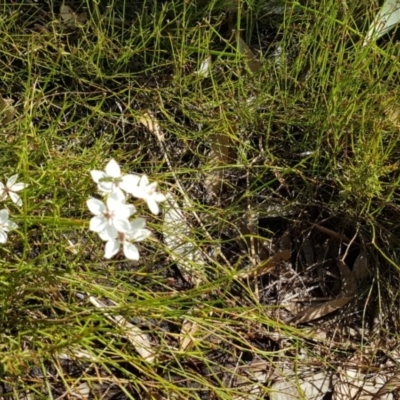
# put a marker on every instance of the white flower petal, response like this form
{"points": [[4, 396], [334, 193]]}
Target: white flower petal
{"points": [[153, 206], [18, 186], [98, 223], [140, 235], [121, 225], [112, 180], [151, 188], [124, 211], [111, 248], [117, 205], [106, 187], [159, 197], [15, 198], [118, 195], [113, 203], [11, 188], [130, 251], [110, 232], [104, 235], [3, 216], [137, 191], [144, 180], [96, 206], [97, 175], [10, 225], [148, 192], [138, 223], [129, 181], [3, 236], [115, 200], [11, 180], [113, 169]]}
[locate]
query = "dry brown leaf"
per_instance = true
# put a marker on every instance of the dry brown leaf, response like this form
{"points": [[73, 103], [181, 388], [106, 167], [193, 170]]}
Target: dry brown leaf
{"points": [[253, 64], [188, 329], [285, 242], [76, 353], [332, 233], [222, 154], [267, 266], [149, 121], [7, 111], [139, 339], [388, 387], [25, 396], [251, 380], [71, 18], [177, 233], [321, 310], [348, 386], [312, 387], [135, 335], [284, 390], [349, 283], [221, 145], [360, 267], [354, 384], [80, 391], [308, 252], [154, 396], [219, 156], [40, 28], [392, 112], [247, 225]]}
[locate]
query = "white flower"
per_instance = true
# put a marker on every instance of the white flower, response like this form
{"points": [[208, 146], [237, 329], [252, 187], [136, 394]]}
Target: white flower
{"points": [[111, 180], [137, 233], [11, 188], [147, 191], [5, 225], [110, 218]]}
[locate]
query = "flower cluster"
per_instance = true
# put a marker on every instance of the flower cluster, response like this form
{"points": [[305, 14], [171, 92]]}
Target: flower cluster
{"points": [[111, 217], [9, 189]]}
